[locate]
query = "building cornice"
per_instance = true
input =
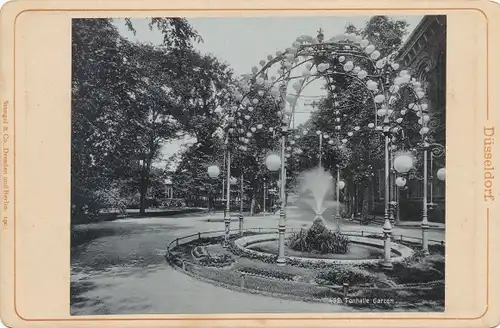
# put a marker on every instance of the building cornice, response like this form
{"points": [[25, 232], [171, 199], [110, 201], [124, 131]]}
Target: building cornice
{"points": [[412, 41]]}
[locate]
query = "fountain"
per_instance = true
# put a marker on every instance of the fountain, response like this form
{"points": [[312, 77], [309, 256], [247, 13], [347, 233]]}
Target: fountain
{"points": [[316, 192], [317, 242]]}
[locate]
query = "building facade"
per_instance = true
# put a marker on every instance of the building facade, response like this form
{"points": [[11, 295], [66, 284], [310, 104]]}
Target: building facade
{"points": [[424, 55]]}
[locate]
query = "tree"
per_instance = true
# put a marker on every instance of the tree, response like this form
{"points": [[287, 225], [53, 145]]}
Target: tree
{"points": [[178, 34], [152, 121], [385, 33], [100, 87], [201, 89], [190, 178], [116, 104]]}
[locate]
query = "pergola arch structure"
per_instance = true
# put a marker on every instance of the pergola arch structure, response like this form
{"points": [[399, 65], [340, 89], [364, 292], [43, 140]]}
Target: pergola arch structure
{"points": [[348, 57]]}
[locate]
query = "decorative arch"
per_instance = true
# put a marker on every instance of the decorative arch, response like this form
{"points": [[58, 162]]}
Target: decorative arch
{"points": [[346, 56]]}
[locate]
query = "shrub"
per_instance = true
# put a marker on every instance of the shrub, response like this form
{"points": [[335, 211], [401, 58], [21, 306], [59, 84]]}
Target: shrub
{"points": [[268, 273], [268, 258], [319, 239], [340, 275], [419, 269], [217, 260], [411, 210]]}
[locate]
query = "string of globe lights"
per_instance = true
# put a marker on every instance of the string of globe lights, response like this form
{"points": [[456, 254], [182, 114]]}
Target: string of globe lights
{"points": [[246, 127], [247, 130], [346, 55]]}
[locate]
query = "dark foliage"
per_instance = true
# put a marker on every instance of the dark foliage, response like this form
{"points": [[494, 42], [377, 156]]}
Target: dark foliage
{"points": [[319, 239]]}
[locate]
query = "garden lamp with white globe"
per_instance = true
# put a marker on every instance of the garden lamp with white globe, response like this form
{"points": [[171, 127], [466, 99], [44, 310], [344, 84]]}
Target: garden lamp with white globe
{"points": [[213, 171], [441, 174], [275, 162]]}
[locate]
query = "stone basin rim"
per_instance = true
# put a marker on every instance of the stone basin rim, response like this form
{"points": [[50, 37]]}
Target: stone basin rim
{"points": [[402, 251]]}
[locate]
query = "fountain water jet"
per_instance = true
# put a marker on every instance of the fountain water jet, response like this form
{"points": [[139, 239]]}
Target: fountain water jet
{"points": [[316, 190]]}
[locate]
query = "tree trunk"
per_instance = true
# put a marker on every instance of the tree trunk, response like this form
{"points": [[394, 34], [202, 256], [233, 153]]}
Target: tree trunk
{"points": [[143, 189], [348, 200], [366, 200], [252, 206], [210, 202], [371, 195]]}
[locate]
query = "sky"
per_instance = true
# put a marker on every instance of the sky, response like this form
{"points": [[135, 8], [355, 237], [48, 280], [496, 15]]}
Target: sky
{"points": [[244, 41]]}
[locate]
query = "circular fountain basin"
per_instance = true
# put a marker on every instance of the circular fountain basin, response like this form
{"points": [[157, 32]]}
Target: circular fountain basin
{"points": [[361, 250], [356, 251]]}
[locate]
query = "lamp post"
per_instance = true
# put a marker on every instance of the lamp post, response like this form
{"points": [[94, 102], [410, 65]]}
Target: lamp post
{"points": [[426, 147], [387, 228], [425, 221], [275, 162], [441, 174], [264, 200], [320, 135], [437, 150], [240, 218], [223, 179], [281, 225], [431, 182], [227, 211], [339, 186], [392, 191], [213, 172]]}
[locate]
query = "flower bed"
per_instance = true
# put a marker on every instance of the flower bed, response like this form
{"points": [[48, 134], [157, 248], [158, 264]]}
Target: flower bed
{"points": [[217, 261], [342, 274], [416, 279], [268, 273], [267, 258], [304, 291], [319, 239], [419, 270], [215, 274]]}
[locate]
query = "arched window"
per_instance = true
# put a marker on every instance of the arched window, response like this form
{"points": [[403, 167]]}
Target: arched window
{"points": [[423, 78]]}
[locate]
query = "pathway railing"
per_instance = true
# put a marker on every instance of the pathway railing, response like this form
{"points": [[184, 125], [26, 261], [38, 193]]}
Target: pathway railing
{"points": [[251, 283], [357, 233]]}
